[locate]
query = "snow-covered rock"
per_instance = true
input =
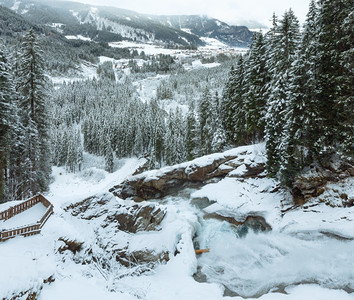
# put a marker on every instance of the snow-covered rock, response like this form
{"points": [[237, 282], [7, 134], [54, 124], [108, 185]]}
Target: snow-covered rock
{"points": [[159, 183]]}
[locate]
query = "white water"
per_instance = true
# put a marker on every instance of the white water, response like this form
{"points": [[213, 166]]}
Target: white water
{"points": [[251, 264], [259, 262]]}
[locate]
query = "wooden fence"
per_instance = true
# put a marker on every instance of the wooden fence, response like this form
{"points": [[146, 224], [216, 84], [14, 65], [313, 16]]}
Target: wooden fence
{"points": [[30, 229]]}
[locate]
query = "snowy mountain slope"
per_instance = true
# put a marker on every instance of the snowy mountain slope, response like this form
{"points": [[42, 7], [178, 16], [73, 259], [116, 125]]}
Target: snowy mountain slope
{"points": [[112, 24], [97, 246], [204, 26]]}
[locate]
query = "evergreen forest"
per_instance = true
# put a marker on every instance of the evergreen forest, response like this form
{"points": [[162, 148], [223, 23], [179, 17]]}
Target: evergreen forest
{"points": [[293, 89]]}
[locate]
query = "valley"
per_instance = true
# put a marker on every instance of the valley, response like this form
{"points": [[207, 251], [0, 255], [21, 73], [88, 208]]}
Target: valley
{"points": [[185, 158]]}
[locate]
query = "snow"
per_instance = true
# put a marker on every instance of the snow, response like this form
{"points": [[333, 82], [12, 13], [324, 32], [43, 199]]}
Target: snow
{"points": [[81, 287], [87, 71], [254, 151], [77, 37], [16, 5], [186, 30], [197, 64], [294, 260], [173, 105], [27, 217], [212, 43], [149, 49], [70, 187], [6, 205], [147, 87]]}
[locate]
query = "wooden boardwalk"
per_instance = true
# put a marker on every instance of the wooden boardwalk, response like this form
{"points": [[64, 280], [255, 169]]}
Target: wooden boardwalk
{"points": [[29, 229]]}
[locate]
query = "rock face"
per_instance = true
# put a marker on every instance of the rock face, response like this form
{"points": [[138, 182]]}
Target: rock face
{"points": [[71, 245], [312, 182], [132, 219], [145, 187], [257, 223], [159, 183], [137, 218], [115, 226], [140, 257]]}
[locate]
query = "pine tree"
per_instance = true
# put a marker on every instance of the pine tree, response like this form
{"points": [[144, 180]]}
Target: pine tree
{"points": [[238, 104], [109, 161], [335, 77], [282, 47], [346, 97], [6, 93], [191, 134], [301, 127], [227, 106], [34, 116], [205, 115], [256, 78], [219, 138]]}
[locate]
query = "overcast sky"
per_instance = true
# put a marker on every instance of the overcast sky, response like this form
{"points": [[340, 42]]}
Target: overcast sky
{"points": [[234, 12]]}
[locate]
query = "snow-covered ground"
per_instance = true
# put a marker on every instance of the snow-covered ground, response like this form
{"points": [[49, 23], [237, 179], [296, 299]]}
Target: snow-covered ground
{"points": [[86, 71], [77, 37], [149, 49], [147, 87], [29, 216], [72, 187], [212, 43], [308, 254]]}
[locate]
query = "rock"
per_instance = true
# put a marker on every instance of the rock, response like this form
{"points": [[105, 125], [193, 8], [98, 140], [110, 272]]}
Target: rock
{"points": [[167, 181], [251, 171], [140, 257], [71, 245], [137, 218], [257, 223], [348, 202], [254, 171], [311, 182], [86, 208]]}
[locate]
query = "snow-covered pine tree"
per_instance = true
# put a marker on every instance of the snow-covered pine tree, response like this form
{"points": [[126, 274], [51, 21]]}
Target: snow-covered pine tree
{"points": [[180, 140], [219, 138], [109, 159], [335, 77], [282, 47], [227, 107], [191, 133], [238, 104], [205, 115], [6, 93], [34, 116], [256, 78], [301, 128], [346, 95], [71, 155]]}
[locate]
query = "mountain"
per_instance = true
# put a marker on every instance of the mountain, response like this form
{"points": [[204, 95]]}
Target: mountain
{"points": [[109, 24], [204, 26]]}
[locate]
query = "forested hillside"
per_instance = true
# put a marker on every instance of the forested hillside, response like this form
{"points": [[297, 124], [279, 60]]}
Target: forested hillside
{"points": [[293, 89]]}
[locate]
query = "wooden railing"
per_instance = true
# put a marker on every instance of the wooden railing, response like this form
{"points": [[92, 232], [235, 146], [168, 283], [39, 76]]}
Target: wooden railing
{"points": [[30, 229]]}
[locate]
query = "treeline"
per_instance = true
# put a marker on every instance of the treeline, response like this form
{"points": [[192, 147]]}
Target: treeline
{"points": [[186, 87], [106, 118], [25, 156], [295, 89]]}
